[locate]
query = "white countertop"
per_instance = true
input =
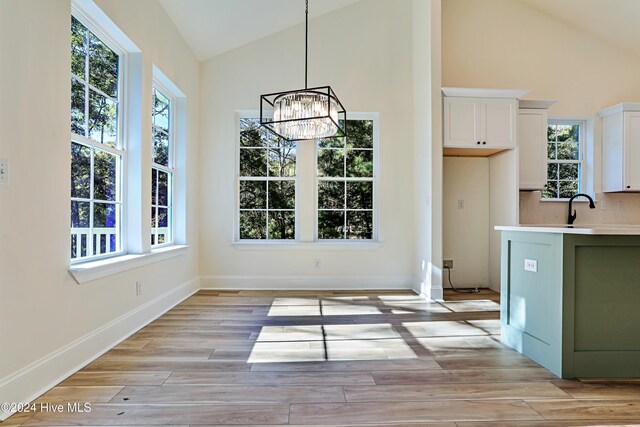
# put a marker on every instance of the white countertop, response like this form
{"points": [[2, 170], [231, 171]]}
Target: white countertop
{"points": [[595, 229]]}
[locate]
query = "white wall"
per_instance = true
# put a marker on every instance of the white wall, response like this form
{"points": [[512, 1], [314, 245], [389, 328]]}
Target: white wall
{"points": [[507, 44], [364, 52], [466, 228], [503, 206], [42, 309], [427, 135]]}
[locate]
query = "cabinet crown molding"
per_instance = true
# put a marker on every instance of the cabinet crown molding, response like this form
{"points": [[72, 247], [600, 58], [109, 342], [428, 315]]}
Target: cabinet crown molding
{"points": [[536, 104], [619, 108], [484, 92]]}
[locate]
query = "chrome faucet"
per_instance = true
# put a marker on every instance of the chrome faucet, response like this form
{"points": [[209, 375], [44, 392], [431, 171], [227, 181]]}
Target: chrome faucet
{"points": [[572, 216]]}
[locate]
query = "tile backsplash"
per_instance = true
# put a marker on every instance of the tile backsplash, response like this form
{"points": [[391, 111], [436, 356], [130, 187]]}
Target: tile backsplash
{"points": [[611, 208]]}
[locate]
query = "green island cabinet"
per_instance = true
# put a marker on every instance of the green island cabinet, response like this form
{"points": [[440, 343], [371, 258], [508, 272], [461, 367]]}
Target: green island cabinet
{"points": [[570, 298]]}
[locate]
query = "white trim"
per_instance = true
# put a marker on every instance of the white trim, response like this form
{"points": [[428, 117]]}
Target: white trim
{"points": [[374, 117], [324, 283], [566, 200], [88, 12], [170, 170], [437, 293], [98, 23], [619, 108], [536, 104], [38, 377], [484, 92], [324, 245], [89, 271], [585, 148], [327, 244], [178, 158]]}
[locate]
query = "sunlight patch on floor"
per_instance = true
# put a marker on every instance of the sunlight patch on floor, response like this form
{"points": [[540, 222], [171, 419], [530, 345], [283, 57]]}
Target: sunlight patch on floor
{"points": [[330, 332], [475, 305], [305, 343], [443, 329], [459, 345], [323, 310]]}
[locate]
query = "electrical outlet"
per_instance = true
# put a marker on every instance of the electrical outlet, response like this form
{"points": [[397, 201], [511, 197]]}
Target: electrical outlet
{"points": [[4, 171], [620, 204], [138, 289], [316, 263], [447, 263], [603, 204], [460, 204], [531, 265]]}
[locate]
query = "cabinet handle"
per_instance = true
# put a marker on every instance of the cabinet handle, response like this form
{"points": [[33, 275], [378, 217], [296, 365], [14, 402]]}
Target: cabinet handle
{"points": [[484, 142], [628, 186], [478, 142]]}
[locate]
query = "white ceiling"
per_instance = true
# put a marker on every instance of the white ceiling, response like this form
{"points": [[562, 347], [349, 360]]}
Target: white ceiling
{"points": [[614, 21], [211, 27]]}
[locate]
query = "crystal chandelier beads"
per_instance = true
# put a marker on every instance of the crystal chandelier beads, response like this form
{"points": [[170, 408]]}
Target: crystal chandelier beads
{"points": [[305, 115]]}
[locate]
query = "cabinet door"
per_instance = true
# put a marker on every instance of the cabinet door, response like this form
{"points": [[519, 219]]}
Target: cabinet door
{"points": [[632, 151], [461, 122], [498, 122], [532, 148], [613, 152]]}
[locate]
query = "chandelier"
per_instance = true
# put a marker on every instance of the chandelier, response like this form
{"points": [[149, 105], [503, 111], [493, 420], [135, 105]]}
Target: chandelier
{"points": [[303, 114]]}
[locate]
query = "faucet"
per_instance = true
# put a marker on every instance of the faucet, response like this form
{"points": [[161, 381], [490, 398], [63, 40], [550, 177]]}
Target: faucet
{"points": [[572, 216]]}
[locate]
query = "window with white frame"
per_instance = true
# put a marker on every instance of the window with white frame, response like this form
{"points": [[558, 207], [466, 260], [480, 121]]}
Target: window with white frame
{"points": [[97, 152], [565, 147], [266, 185], [162, 170], [339, 191], [345, 182]]}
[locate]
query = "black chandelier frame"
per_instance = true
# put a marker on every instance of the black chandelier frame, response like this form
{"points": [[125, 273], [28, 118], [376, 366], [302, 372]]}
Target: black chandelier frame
{"points": [[267, 104]]}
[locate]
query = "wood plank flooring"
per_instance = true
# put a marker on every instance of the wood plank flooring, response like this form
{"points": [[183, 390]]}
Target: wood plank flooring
{"points": [[332, 358]]}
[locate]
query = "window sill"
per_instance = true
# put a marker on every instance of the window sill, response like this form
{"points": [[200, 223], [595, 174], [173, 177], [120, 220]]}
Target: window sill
{"points": [[311, 246], [93, 270], [581, 200]]}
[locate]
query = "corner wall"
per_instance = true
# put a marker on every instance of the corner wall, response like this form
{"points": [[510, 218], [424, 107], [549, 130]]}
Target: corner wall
{"points": [[427, 137], [48, 323]]}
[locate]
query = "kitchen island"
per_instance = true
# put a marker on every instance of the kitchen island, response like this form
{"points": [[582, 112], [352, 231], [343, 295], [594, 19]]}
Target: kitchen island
{"points": [[570, 297]]}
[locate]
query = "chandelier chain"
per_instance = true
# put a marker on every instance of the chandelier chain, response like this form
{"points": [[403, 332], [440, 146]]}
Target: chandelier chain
{"points": [[306, 42]]}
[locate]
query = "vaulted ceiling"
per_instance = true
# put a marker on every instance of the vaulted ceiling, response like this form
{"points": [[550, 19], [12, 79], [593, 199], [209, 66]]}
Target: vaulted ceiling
{"points": [[614, 21], [211, 27]]}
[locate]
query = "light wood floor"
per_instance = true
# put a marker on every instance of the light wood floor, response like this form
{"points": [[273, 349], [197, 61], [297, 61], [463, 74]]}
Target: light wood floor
{"points": [[335, 358]]}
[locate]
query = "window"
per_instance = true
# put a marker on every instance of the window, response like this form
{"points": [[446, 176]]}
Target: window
{"points": [[162, 171], [97, 153], [334, 191], [267, 184], [565, 146], [345, 184]]}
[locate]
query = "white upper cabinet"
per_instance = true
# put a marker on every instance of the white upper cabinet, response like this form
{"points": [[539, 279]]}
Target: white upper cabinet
{"points": [[532, 142], [621, 147], [461, 122], [480, 122], [532, 148], [499, 122]]}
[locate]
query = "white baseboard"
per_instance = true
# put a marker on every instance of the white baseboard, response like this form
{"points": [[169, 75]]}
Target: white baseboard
{"points": [[35, 379], [437, 293], [305, 282]]}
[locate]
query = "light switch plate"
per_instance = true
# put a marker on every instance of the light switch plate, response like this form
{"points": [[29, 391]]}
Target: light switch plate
{"points": [[4, 171], [531, 265]]}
